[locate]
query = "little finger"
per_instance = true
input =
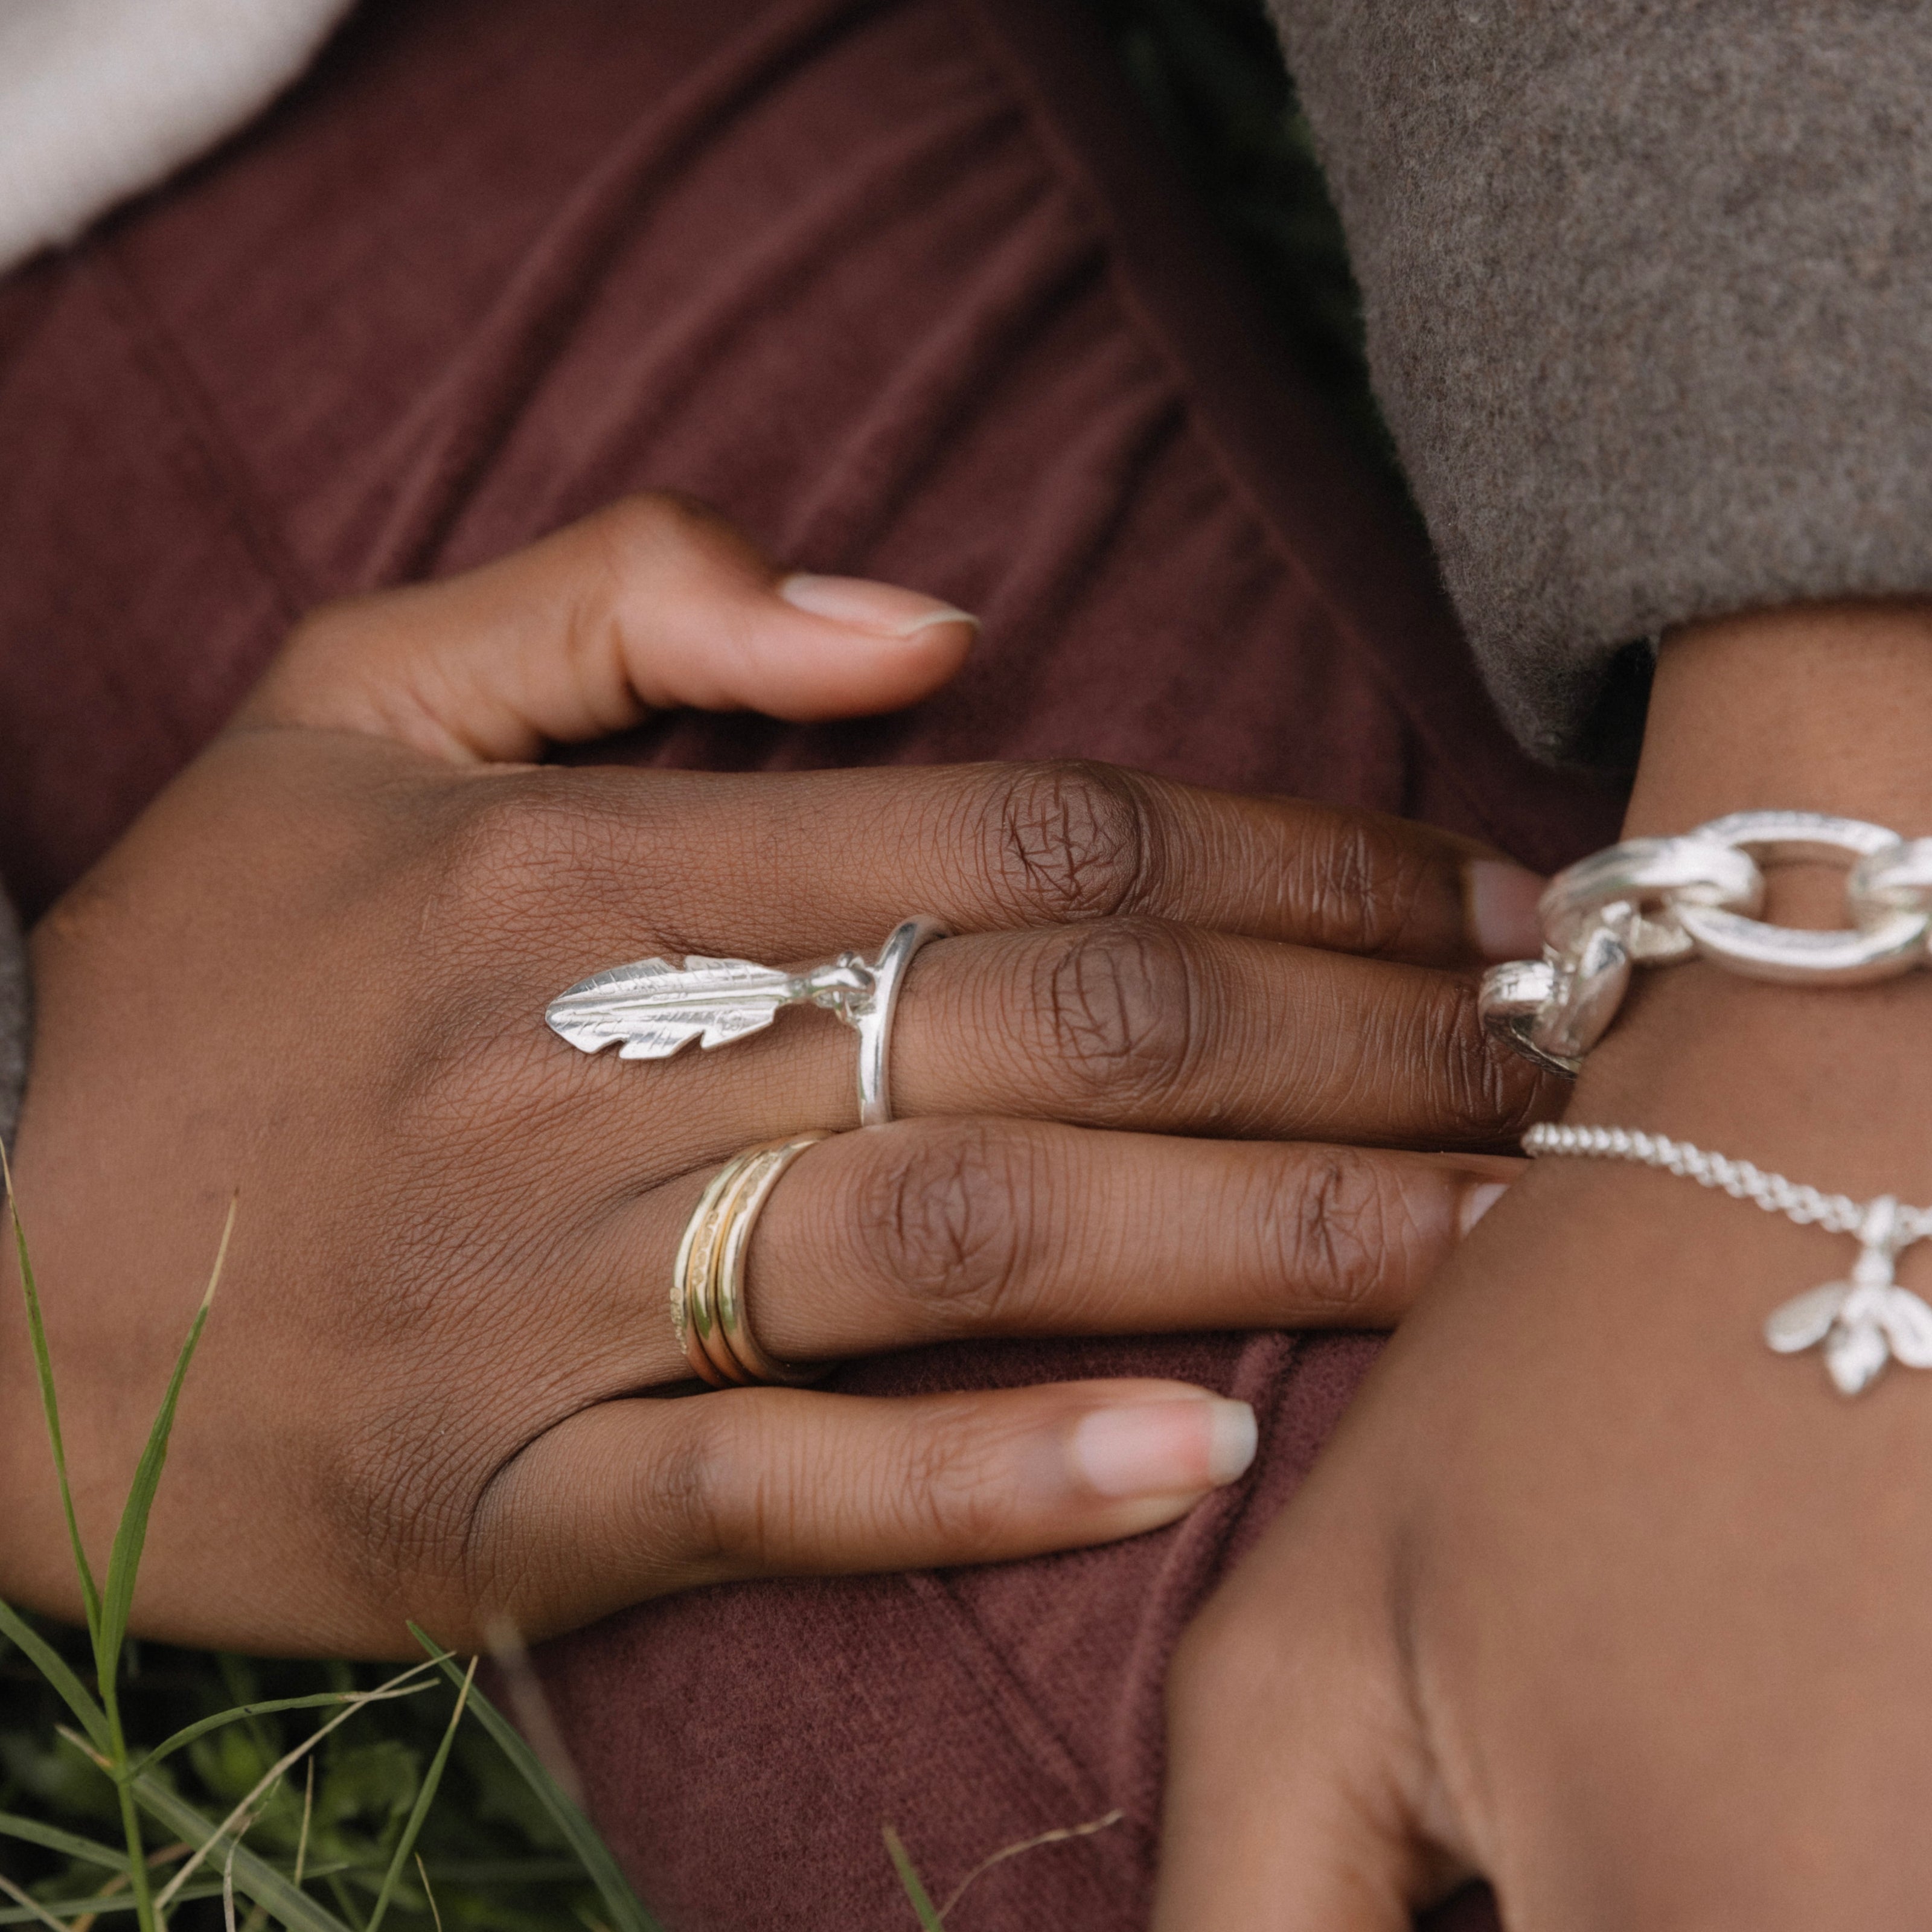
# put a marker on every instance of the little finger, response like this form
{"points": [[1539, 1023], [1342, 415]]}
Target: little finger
{"points": [[629, 1500]]}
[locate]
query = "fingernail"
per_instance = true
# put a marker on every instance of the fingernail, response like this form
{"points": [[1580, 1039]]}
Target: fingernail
{"points": [[1502, 909], [1477, 1201], [883, 609], [1165, 1448]]}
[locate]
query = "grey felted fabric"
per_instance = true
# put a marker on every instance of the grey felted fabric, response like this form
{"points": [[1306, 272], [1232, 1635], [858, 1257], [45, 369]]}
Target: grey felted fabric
{"points": [[1648, 290], [14, 1020]]}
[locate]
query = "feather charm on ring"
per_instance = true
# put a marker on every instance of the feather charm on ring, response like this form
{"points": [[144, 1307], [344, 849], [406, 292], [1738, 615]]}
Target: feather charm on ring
{"points": [[653, 1008]]}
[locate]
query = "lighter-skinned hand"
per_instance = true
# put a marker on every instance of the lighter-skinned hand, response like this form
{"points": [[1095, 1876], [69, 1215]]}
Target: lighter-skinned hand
{"points": [[1592, 1593]]}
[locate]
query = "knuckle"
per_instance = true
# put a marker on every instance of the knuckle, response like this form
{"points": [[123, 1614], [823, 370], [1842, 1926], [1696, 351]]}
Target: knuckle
{"points": [[1367, 887], [713, 1494], [330, 629], [648, 524], [1118, 1000], [684, 1497], [1066, 840], [516, 847], [1483, 1091], [939, 1218], [1337, 1233], [406, 1496], [952, 1484], [497, 860], [622, 557]]}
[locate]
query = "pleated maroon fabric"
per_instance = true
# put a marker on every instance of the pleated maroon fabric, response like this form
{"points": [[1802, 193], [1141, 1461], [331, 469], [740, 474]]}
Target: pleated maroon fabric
{"points": [[903, 286]]}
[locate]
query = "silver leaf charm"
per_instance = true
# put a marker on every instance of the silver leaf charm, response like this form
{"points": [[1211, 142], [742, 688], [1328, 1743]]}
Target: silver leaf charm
{"points": [[1854, 1351], [1806, 1319], [1907, 1323], [1867, 1320], [651, 1008]]}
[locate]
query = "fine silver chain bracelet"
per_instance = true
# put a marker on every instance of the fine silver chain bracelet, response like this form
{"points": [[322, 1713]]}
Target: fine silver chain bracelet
{"points": [[1650, 901], [1864, 1321]]}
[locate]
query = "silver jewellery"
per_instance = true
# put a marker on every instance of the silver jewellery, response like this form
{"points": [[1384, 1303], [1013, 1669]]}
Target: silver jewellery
{"points": [[1863, 1322], [653, 1008], [1650, 901]]}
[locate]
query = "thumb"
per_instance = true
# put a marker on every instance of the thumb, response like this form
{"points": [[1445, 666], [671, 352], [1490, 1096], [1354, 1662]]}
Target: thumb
{"points": [[1296, 1772], [653, 603]]}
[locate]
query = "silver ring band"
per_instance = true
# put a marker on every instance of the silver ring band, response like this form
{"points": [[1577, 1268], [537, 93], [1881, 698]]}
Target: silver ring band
{"points": [[651, 1009], [874, 1019]]}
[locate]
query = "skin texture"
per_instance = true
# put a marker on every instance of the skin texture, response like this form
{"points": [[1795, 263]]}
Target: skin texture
{"points": [[315, 971], [1592, 1593]]}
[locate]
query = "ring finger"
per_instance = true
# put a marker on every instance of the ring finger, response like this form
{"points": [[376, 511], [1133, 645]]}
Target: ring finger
{"points": [[938, 1230]]}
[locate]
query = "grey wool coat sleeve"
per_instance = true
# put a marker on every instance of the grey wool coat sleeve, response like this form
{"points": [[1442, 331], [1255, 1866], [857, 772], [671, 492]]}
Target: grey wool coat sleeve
{"points": [[1649, 293]]}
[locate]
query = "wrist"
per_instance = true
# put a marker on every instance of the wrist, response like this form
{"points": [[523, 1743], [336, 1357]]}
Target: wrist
{"points": [[1825, 709], [1818, 708]]}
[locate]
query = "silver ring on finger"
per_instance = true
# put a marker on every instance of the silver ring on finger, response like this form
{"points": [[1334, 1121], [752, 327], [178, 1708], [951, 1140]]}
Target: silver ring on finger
{"points": [[651, 1009]]}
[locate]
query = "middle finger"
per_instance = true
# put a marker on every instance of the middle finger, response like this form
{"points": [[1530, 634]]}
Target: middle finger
{"points": [[1135, 1023]]}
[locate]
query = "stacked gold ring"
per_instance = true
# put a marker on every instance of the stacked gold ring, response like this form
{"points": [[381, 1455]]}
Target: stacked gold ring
{"points": [[707, 1286]]}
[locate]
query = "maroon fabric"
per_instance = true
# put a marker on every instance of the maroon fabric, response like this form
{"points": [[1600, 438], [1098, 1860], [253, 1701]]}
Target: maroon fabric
{"points": [[901, 285]]}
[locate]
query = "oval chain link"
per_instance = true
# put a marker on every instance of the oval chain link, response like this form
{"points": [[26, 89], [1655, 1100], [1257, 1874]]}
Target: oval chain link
{"points": [[1650, 901]]}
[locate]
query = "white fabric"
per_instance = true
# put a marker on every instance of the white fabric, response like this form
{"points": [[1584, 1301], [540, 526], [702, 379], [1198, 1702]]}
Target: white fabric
{"points": [[99, 99]]}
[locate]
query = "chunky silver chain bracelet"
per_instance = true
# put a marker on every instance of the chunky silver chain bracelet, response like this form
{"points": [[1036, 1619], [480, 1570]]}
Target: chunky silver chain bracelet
{"points": [[1649, 902], [1863, 1322]]}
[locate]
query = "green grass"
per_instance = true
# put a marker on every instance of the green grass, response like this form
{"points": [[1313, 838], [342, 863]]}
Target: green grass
{"points": [[415, 1795], [303, 1794]]}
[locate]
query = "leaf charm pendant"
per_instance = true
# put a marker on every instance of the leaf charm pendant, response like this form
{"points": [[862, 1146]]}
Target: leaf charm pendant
{"points": [[1864, 1322], [652, 1009]]}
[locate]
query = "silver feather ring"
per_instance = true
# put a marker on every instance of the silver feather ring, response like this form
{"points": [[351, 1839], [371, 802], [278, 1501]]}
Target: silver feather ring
{"points": [[652, 1009]]}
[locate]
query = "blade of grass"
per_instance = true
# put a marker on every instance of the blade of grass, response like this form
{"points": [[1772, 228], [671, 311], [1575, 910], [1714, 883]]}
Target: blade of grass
{"points": [[51, 1837], [228, 1888], [124, 1563], [57, 1671], [117, 1881], [317, 1701], [256, 1876], [131, 1538], [422, 1871], [626, 1910], [345, 1905], [915, 1887], [43, 1366], [272, 1776], [34, 1910], [308, 1813], [425, 1797], [1057, 1837], [71, 1913]]}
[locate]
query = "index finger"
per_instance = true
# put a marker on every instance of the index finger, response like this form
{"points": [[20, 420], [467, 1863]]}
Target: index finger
{"points": [[795, 862]]}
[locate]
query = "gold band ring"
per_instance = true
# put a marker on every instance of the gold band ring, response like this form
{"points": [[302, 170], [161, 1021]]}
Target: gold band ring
{"points": [[708, 1310]]}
